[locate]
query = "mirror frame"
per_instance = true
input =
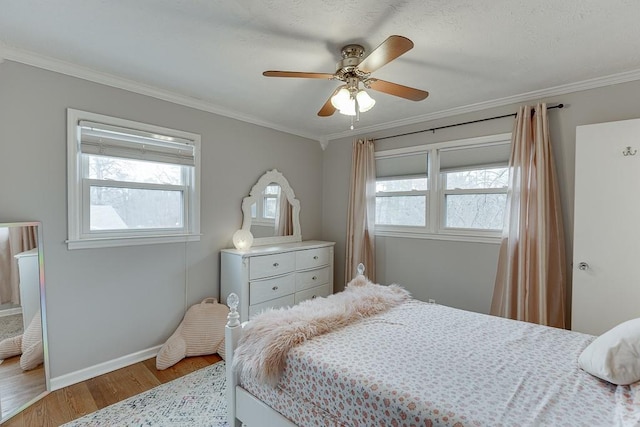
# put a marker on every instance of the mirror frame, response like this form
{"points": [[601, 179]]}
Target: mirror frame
{"points": [[43, 313], [272, 176]]}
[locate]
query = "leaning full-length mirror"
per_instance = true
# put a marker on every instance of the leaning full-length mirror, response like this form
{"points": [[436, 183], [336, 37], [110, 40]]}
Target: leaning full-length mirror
{"points": [[271, 211], [23, 340]]}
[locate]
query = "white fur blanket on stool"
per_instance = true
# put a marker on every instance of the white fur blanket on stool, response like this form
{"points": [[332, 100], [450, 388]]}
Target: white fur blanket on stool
{"points": [[267, 338]]}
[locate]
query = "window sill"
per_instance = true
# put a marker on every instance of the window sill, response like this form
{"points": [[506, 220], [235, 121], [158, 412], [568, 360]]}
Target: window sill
{"points": [[110, 242], [440, 236]]}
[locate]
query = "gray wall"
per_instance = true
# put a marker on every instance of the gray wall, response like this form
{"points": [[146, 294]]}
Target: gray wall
{"points": [[107, 303], [457, 273]]}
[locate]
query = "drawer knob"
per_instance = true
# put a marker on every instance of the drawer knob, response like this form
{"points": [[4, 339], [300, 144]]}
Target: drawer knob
{"points": [[275, 264], [275, 288], [315, 257], [314, 278]]}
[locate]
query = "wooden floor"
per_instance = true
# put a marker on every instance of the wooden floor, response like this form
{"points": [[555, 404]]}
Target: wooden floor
{"points": [[18, 386], [75, 401]]}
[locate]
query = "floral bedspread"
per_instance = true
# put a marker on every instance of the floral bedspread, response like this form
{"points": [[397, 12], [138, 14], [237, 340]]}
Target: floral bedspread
{"points": [[430, 365]]}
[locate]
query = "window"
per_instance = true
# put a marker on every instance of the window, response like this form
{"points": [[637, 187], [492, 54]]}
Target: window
{"points": [[452, 190], [402, 190], [130, 183], [264, 212], [475, 198]]}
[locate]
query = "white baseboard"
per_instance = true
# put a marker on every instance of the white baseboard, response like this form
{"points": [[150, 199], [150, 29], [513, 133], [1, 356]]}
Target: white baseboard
{"points": [[102, 368], [11, 311]]}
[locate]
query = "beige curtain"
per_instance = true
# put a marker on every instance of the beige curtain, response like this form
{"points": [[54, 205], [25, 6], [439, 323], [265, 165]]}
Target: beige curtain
{"points": [[284, 217], [13, 240], [6, 267], [360, 247], [531, 276]]}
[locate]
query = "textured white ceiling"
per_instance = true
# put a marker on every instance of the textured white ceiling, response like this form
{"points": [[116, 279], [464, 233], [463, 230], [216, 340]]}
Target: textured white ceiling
{"points": [[214, 52]]}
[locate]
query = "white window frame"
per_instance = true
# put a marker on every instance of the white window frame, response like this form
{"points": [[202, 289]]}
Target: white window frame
{"points": [[443, 206], [434, 228], [260, 219], [78, 187], [425, 193]]}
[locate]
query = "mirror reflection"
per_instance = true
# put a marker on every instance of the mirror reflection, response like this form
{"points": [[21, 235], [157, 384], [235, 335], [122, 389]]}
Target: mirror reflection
{"points": [[271, 211], [23, 375], [271, 214]]}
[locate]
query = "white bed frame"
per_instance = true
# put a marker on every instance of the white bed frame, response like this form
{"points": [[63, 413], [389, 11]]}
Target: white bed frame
{"points": [[244, 409]]}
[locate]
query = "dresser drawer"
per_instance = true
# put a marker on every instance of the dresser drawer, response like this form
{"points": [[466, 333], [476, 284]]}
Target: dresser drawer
{"points": [[268, 289], [285, 301], [310, 258], [271, 265], [318, 291], [311, 278]]}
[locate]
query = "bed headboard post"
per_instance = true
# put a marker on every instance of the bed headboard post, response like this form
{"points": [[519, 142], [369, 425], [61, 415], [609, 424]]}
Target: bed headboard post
{"points": [[232, 332]]}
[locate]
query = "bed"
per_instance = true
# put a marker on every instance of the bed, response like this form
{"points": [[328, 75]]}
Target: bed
{"points": [[420, 364]]}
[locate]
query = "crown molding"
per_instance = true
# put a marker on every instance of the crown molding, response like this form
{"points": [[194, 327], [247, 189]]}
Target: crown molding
{"points": [[74, 70], [500, 102]]}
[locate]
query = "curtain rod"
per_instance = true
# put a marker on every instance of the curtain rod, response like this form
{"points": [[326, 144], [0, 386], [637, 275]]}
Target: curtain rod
{"points": [[460, 124]]}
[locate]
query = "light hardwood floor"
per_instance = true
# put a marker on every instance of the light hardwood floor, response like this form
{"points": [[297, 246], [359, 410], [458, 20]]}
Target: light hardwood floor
{"points": [[75, 401], [18, 386]]}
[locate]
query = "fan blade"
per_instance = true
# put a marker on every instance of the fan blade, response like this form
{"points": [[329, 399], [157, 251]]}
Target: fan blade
{"points": [[298, 74], [328, 109], [397, 90], [390, 49]]}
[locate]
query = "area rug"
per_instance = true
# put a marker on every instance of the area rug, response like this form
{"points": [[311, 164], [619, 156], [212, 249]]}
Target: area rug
{"points": [[10, 326], [196, 400]]}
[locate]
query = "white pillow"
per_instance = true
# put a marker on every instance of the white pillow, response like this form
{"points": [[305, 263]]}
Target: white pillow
{"points": [[615, 355]]}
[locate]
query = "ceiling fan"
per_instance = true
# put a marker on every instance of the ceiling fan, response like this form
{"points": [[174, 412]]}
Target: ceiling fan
{"points": [[355, 70]]}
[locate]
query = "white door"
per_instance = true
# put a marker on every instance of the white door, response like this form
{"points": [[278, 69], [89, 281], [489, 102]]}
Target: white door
{"points": [[606, 249]]}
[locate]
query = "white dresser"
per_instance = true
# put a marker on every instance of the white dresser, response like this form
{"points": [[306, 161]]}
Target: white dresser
{"points": [[29, 274], [276, 275]]}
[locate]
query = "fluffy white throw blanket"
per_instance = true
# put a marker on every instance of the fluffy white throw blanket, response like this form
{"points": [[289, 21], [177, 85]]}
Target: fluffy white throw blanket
{"points": [[267, 338]]}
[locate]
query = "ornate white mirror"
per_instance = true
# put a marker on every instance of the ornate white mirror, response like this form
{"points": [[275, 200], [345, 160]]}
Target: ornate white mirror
{"points": [[24, 370], [271, 212]]}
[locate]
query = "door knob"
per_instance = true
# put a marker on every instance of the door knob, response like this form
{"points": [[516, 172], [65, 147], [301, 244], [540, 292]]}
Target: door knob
{"points": [[583, 266]]}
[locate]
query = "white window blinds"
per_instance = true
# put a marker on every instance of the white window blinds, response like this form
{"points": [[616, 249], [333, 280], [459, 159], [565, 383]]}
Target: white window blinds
{"points": [[470, 157], [414, 165], [112, 141]]}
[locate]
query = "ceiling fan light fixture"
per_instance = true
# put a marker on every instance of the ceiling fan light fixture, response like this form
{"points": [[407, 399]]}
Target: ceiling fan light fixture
{"points": [[341, 99], [365, 102], [349, 108], [350, 105]]}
